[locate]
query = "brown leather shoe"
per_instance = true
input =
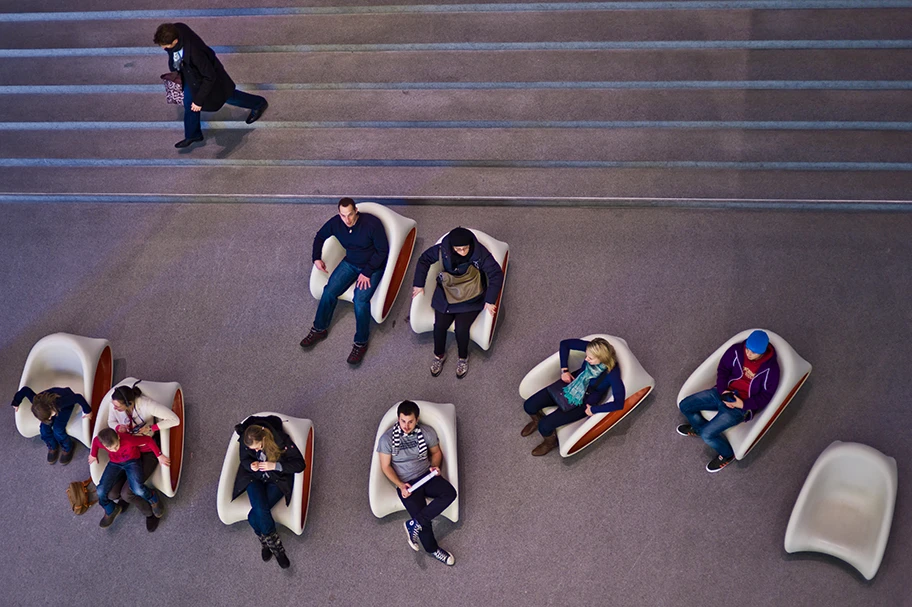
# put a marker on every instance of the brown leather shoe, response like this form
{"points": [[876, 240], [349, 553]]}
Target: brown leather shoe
{"points": [[313, 337], [357, 354], [532, 426], [546, 445]]}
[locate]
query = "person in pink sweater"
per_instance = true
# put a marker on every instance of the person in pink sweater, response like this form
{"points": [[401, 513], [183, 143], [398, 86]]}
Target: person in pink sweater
{"points": [[124, 452]]}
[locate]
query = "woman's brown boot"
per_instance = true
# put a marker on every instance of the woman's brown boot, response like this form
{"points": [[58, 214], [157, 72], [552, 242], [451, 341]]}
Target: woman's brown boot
{"points": [[532, 426], [546, 445]]}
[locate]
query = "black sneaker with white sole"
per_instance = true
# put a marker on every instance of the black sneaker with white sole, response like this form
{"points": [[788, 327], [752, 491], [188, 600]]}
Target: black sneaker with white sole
{"points": [[444, 557], [687, 430], [412, 528], [718, 462]]}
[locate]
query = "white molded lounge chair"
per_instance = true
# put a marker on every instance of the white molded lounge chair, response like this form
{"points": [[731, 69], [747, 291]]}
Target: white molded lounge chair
{"points": [[845, 508], [165, 479], [400, 232], [793, 371], [421, 316], [442, 418], [575, 437], [61, 360], [293, 516]]}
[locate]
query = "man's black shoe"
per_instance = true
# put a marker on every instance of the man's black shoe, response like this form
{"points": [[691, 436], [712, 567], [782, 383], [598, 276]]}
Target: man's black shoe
{"points": [[255, 114], [53, 454], [151, 523], [184, 143], [687, 430], [718, 462]]}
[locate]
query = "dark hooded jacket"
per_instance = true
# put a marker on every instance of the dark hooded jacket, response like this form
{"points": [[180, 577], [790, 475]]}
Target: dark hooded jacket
{"points": [[203, 74], [491, 275], [292, 461]]}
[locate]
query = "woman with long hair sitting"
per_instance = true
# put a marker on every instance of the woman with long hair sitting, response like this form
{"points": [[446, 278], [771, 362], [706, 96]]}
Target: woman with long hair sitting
{"points": [[269, 461], [576, 395], [134, 413]]}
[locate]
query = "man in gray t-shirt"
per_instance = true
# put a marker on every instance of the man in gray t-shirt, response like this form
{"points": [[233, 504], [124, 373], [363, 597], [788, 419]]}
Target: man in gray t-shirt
{"points": [[409, 451]]}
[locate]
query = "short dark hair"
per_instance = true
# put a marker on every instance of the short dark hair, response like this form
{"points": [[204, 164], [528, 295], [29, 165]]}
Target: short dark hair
{"points": [[108, 438], [44, 406], [165, 34], [346, 202], [408, 408]]}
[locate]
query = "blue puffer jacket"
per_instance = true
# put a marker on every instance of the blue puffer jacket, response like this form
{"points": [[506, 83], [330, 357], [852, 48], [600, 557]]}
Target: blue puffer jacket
{"points": [[480, 257]]}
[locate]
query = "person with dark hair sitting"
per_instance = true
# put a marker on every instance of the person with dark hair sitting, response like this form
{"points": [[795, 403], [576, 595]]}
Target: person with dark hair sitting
{"points": [[746, 379], [470, 282], [207, 86], [408, 451], [366, 250], [134, 413], [576, 395], [124, 455], [53, 408], [269, 461]]}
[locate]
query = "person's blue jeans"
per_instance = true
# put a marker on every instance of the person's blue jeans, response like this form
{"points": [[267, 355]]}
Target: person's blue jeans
{"points": [[55, 434], [554, 420], [343, 277], [192, 128], [112, 473], [263, 496], [442, 494], [711, 431]]}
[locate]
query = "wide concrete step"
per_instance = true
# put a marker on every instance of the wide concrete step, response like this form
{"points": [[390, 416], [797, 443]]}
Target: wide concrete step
{"points": [[176, 8], [297, 183], [548, 147], [481, 27], [484, 105], [484, 66]]}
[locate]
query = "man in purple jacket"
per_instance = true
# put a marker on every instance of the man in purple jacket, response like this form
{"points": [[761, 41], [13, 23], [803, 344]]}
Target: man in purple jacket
{"points": [[746, 380]]}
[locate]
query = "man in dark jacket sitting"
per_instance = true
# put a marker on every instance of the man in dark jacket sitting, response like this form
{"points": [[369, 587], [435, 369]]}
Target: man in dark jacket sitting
{"points": [[207, 86], [746, 379]]}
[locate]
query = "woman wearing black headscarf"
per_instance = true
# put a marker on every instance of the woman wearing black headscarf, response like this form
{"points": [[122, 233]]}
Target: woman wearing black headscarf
{"points": [[469, 282]]}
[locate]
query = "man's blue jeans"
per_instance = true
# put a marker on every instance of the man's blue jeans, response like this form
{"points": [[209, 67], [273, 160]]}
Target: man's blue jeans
{"points": [[711, 431], [263, 496], [238, 98], [343, 277], [112, 472], [54, 434]]}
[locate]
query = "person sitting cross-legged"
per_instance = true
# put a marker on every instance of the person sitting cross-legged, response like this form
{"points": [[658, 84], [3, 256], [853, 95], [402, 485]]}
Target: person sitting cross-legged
{"points": [[408, 451], [746, 379]]}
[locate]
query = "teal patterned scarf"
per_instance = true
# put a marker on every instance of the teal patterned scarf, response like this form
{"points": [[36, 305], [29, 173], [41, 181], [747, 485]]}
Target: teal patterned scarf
{"points": [[576, 390]]}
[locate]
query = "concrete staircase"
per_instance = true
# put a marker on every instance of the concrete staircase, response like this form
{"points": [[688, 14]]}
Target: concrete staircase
{"points": [[671, 102]]}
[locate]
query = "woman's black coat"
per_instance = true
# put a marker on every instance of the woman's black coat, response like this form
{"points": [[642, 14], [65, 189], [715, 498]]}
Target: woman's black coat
{"points": [[292, 461], [481, 258], [210, 85]]}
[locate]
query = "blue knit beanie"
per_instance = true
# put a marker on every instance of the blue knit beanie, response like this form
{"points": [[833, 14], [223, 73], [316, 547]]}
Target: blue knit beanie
{"points": [[757, 342]]}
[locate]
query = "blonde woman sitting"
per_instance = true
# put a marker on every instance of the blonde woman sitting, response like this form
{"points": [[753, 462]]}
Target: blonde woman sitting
{"points": [[576, 395]]}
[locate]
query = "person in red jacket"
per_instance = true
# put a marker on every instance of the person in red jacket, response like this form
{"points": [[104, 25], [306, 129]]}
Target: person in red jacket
{"points": [[746, 379], [125, 452]]}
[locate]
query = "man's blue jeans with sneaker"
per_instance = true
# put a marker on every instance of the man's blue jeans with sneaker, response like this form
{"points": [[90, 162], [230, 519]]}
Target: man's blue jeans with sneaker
{"points": [[343, 277], [711, 431], [112, 472], [238, 98], [55, 434], [263, 496], [442, 494]]}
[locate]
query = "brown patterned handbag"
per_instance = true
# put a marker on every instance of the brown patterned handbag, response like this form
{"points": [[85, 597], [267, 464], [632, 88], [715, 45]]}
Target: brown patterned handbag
{"points": [[174, 88]]}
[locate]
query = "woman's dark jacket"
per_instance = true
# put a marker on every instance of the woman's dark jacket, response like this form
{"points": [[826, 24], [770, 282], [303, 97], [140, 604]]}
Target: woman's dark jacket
{"points": [[292, 461], [480, 257], [599, 385], [210, 85]]}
